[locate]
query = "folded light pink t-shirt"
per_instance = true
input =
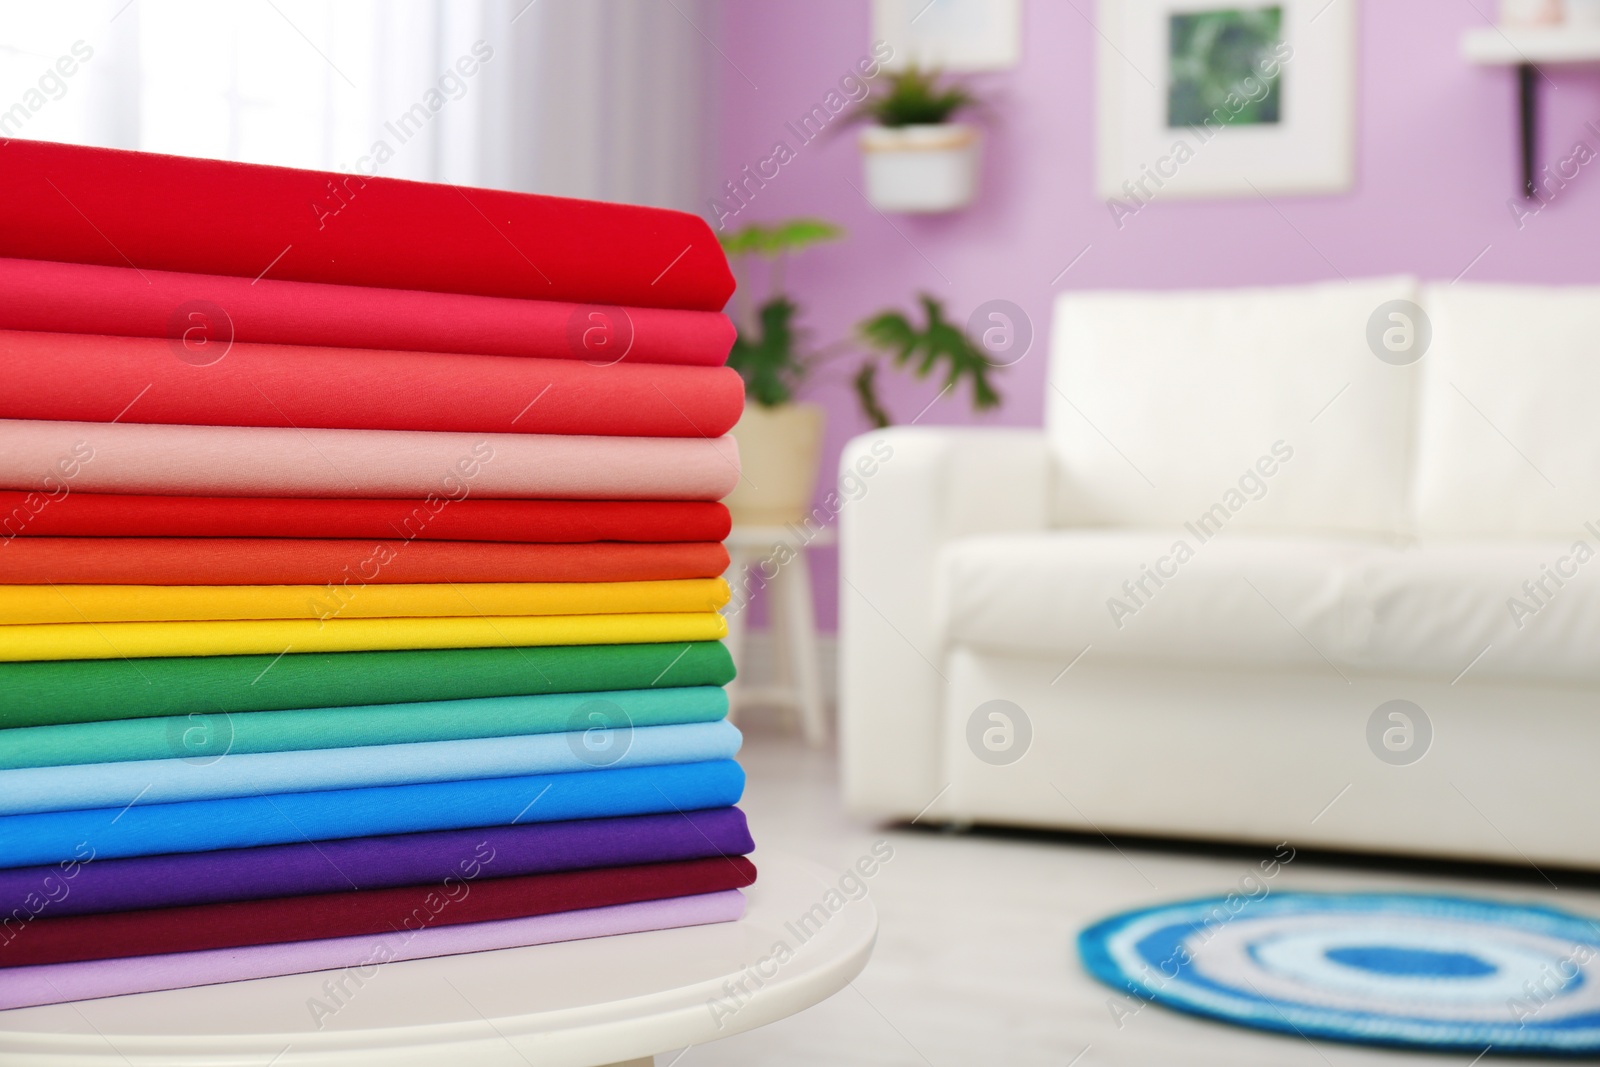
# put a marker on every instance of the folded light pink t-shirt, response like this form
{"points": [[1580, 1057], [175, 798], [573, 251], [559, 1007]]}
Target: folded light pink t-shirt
{"points": [[54, 458]]}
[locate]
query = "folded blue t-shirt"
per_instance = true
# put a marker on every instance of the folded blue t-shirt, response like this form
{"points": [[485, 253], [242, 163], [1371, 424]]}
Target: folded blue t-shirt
{"points": [[242, 822], [30, 790]]}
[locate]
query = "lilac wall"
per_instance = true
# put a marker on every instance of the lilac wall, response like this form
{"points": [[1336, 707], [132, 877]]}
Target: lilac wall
{"points": [[1435, 166]]}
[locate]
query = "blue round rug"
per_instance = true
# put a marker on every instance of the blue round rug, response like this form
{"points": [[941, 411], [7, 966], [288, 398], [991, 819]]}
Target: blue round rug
{"points": [[1439, 973]]}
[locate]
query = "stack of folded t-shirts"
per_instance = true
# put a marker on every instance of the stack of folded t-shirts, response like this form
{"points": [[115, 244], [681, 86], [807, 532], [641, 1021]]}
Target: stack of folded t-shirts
{"points": [[359, 572]]}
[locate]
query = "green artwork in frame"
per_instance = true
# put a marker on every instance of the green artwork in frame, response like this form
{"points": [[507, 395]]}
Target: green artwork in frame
{"points": [[1217, 64]]}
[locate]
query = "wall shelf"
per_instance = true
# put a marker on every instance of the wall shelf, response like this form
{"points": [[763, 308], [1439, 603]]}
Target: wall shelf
{"points": [[1513, 46], [1527, 49]]}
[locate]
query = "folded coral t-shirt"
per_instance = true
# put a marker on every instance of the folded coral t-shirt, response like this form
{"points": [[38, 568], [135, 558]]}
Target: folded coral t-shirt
{"points": [[86, 378]]}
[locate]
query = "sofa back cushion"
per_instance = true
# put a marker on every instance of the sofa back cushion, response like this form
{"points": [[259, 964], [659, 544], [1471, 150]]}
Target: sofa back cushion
{"points": [[1509, 420], [1251, 409]]}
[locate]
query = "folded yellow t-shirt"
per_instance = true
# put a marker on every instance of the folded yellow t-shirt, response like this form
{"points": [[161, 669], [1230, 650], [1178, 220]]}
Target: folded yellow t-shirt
{"points": [[184, 603], [133, 640]]}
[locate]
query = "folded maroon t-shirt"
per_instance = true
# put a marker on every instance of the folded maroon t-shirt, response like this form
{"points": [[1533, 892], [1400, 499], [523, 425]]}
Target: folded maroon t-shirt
{"points": [[75, 377], [377, 911], [207, 216], [24, 514]]}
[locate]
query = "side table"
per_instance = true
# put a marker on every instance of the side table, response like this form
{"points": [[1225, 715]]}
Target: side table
{"points": [[753, 551], [605, 1001]]}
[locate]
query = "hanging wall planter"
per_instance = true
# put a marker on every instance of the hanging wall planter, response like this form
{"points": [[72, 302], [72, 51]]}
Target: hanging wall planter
{"points": [[916, 157], [922, 168]]}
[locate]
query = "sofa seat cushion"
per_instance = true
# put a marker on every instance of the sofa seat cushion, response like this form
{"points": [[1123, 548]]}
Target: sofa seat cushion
{"points": [[1438, 611]]}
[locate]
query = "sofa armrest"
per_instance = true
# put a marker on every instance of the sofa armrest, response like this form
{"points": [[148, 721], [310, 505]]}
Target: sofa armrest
{"points": [[911, 490]]}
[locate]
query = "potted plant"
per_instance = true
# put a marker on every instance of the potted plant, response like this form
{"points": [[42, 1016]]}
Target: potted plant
{"points": [[780, 438], [917, 158]]}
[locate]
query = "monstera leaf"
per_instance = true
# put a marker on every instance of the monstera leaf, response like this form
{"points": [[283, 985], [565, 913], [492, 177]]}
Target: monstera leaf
{"points": [[767, 360], [780, 238], [939, 343]]}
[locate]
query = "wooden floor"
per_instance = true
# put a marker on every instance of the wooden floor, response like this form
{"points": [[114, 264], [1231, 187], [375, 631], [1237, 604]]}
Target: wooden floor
{"points": [[975, 961]]}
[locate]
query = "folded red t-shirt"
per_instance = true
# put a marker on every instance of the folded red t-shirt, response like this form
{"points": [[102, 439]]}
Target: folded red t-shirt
{"points": [[207, 216], [472, 519], [272, 561], [75, 377], [378, 911], [197, 311]]}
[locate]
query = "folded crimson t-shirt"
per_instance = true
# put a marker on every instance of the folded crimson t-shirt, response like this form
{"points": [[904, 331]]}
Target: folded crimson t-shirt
{"points": [[207, 216]]}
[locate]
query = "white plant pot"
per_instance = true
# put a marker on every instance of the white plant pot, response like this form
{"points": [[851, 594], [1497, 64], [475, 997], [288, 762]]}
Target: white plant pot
{"points": [[921, 168], [1530, 12], [1583, 13], [780, 450]]}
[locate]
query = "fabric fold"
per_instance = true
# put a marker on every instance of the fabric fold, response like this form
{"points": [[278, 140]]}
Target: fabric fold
{"points": [[50, 457], [22, 987], [193, 311], [342, 567], [607, 740], [197, 603], [280, 920], [87, 378], [132, 640], [207, 216], [197, 737], [108, 885], [244, 822], [62, 512], [49, 692]]}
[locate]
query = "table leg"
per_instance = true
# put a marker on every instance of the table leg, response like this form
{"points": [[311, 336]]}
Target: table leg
{"points": [[1528, 116], [801, 626], [736, 612]]}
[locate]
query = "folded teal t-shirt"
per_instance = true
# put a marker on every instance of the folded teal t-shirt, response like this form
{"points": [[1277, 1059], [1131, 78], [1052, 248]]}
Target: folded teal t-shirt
{"points": [[205, 737]]}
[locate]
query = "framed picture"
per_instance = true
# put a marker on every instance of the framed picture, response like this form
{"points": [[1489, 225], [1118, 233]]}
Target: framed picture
{"points": [[1212, 98], [954, 35]]}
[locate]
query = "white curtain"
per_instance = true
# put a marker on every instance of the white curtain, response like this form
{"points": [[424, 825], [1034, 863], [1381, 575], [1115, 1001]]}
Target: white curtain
{"points": [[608, 99]]}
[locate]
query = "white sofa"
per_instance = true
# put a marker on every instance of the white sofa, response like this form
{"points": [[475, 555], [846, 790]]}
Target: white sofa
{"points": [[1369, 530]]}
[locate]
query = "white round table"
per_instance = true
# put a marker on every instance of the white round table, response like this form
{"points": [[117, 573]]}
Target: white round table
{"points": [[610, 1000]]}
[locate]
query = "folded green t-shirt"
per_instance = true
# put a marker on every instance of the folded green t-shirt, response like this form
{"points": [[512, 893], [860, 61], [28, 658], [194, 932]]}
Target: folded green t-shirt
{"points": [[71, 691]]}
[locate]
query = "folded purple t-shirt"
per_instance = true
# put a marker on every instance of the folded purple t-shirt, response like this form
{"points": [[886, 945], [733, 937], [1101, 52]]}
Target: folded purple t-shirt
{"points": [[87, 886]]}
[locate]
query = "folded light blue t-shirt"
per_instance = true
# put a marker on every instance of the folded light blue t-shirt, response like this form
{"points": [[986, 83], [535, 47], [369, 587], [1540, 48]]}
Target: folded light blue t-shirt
{"points": [[243, 822], [114, 785]]}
